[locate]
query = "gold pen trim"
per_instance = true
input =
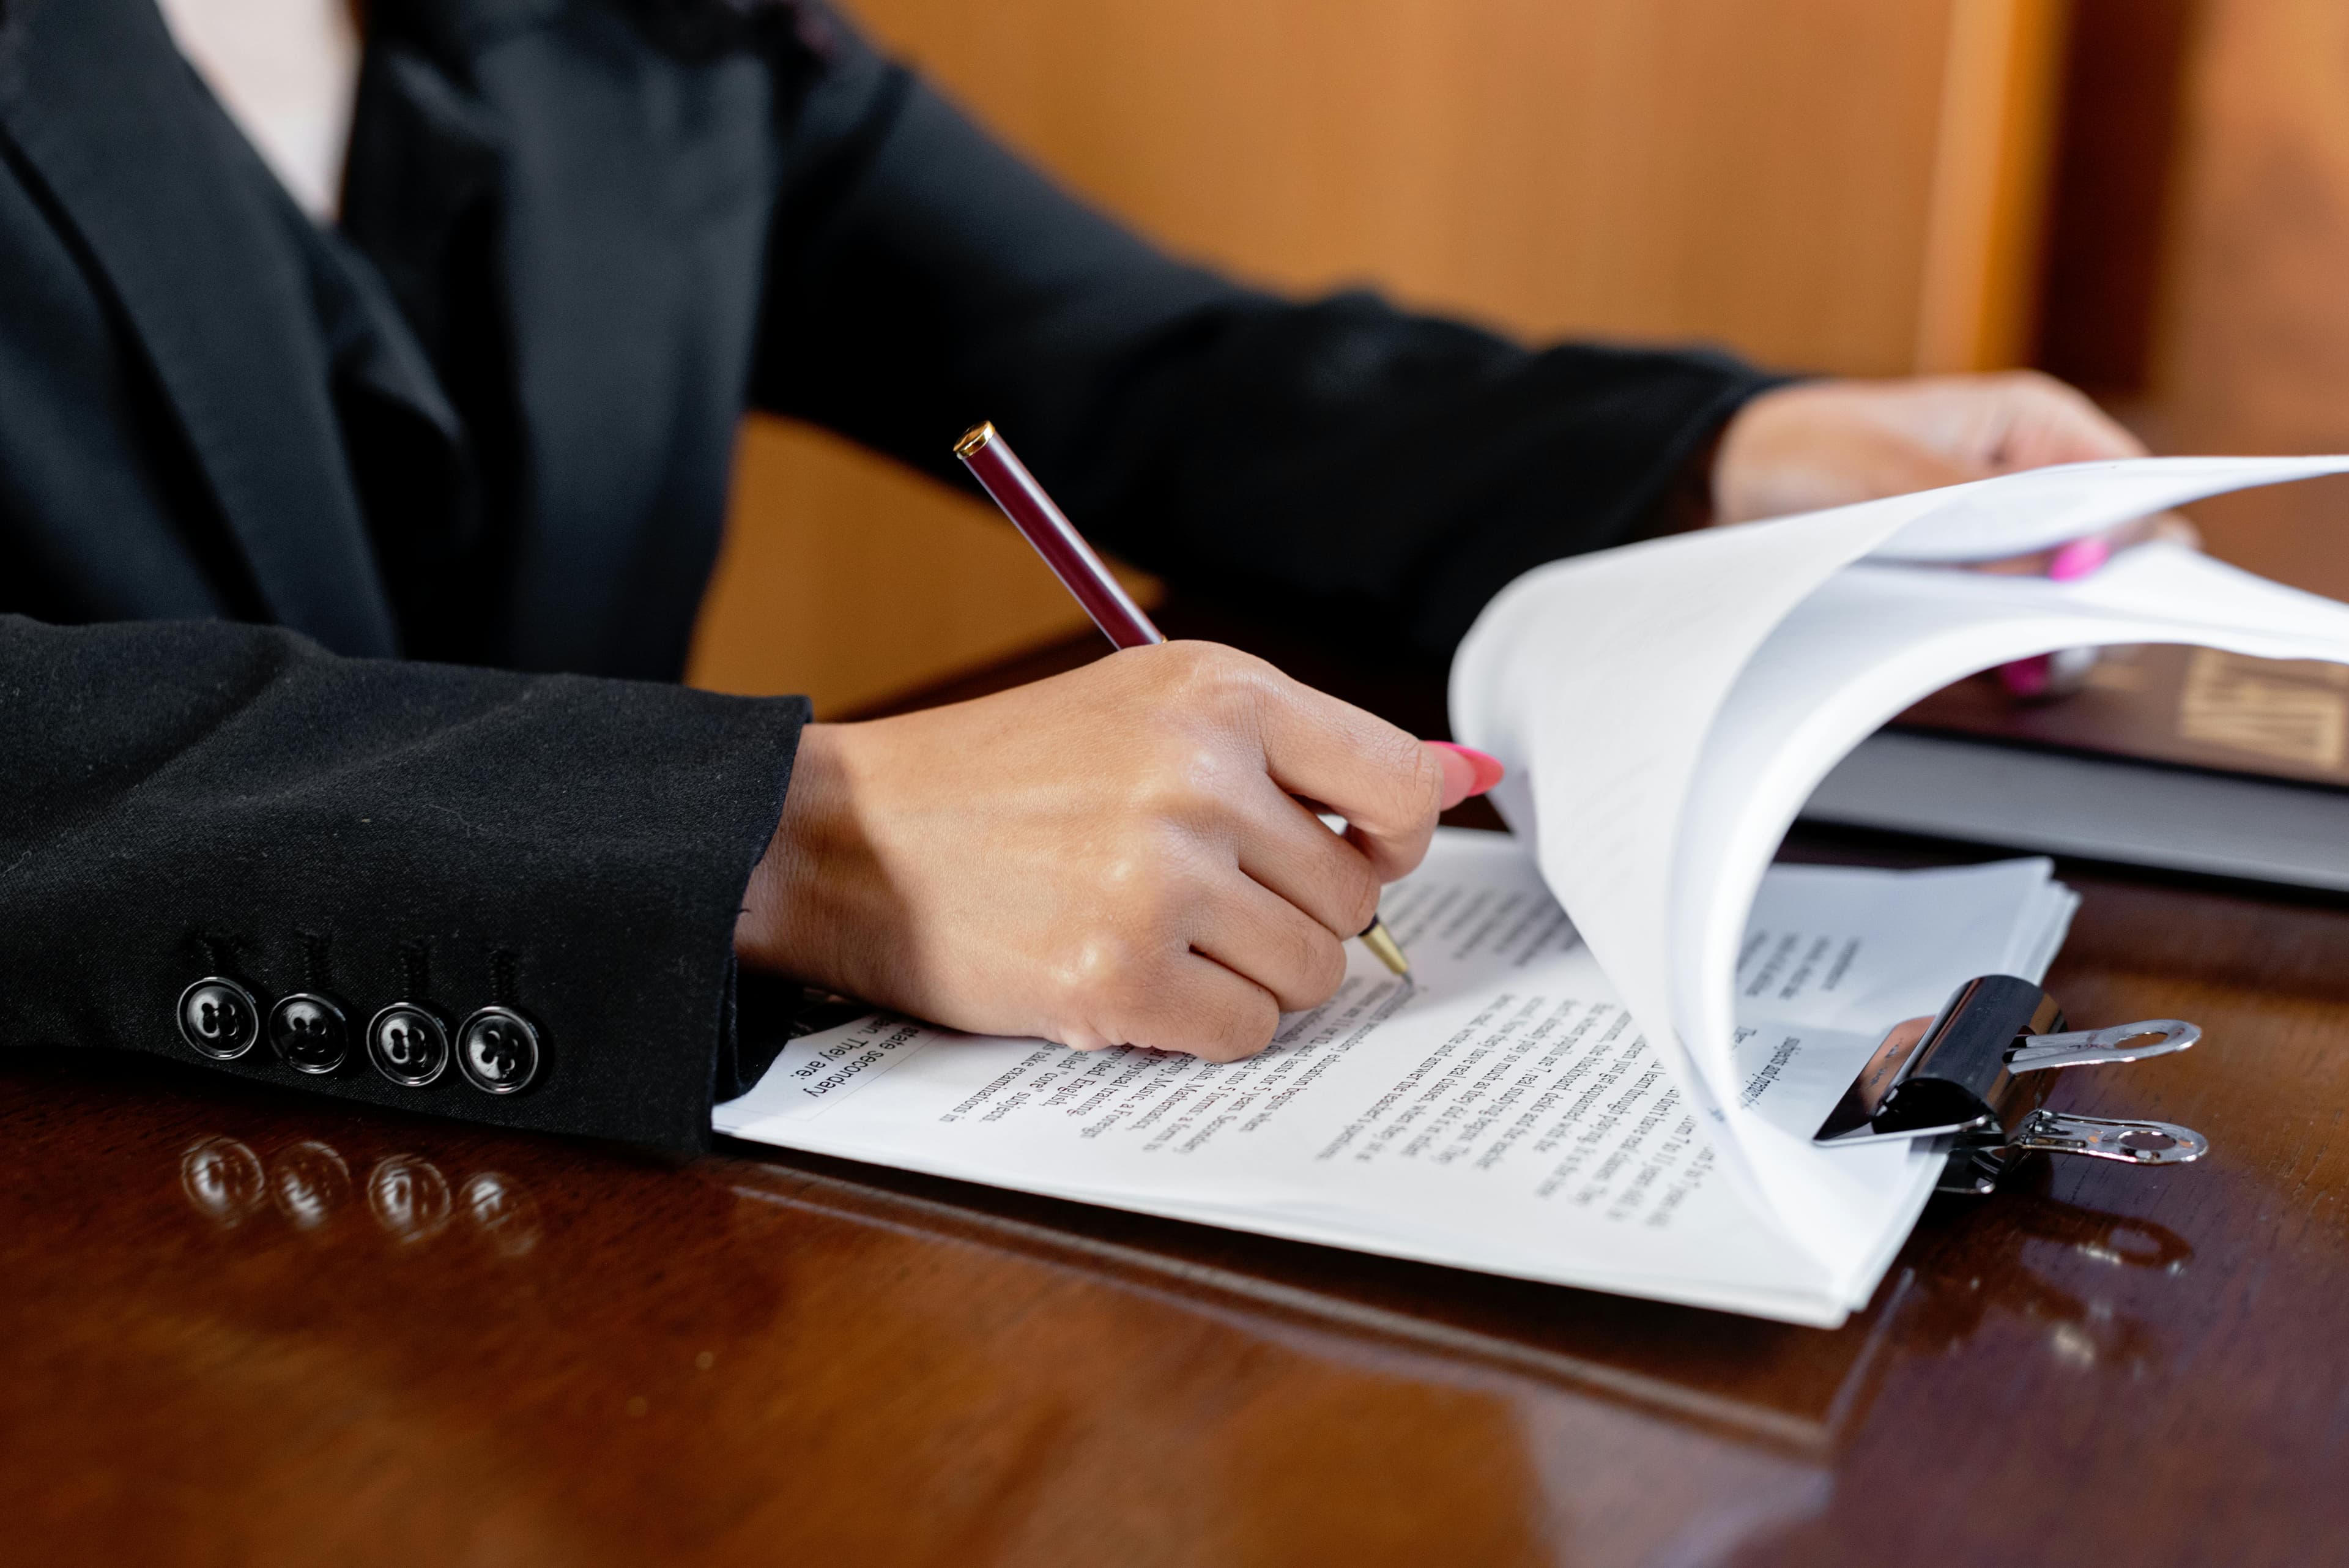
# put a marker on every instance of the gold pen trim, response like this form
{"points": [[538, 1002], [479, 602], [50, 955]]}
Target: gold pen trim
{"points": [[1390, 952], [978, 436]]}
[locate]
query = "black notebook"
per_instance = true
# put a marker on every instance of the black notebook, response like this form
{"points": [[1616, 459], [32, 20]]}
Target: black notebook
{"points": [[2182, 758]]}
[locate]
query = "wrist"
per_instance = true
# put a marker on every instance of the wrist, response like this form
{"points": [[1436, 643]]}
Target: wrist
{"points": [[788, 908], [1749, 455]]}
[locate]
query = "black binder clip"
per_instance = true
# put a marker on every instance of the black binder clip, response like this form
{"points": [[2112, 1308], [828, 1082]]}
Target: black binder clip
{"points": [[1976, 1076]]}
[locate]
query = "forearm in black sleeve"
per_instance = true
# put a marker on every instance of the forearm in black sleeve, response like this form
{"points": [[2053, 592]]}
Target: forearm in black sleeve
{"points": [[922, 278], [191, 800]]}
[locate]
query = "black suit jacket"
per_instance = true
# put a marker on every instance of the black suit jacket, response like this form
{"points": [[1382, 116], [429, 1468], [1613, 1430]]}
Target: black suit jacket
{"points": [[349, 573]]}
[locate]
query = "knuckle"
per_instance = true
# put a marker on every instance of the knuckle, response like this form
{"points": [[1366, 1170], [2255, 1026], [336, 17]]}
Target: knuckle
{"points": [[1186, 658], [1427, 776], [1195, 664], [1323, 970], [1124, 878], [1185, 782], [1360, 896], [1249, 1029], [1098, 982], [1139, 866], [1217, 680], [1099, 961], [2039, 386], [1215, 1021], [1201, 765], [1147, 894], [1128, 861], [1409, 778]]}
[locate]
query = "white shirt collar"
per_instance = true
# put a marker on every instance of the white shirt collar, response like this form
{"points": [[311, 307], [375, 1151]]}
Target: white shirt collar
{"points": [[287, 72]]}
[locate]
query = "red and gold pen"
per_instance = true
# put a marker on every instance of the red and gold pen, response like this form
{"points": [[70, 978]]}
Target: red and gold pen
{"points": [[1082, 572]]}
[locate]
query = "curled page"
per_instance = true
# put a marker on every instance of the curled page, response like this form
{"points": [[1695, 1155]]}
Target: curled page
{"points": [[1664, 709]]}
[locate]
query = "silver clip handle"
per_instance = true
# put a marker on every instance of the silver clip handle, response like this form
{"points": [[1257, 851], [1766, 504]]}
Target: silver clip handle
{"points": [[2095, 1047], [2132, 1143]]}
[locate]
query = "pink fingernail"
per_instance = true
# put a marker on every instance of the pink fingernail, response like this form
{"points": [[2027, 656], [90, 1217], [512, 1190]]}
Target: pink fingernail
{"points": [[1486, 768], [2078, 559], [2028, 676]]}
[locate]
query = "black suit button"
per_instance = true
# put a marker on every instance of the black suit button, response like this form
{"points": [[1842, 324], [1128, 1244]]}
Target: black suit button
{"points": [[309, 1032], [219, 1018], [498, 1049], [408, 1044]]}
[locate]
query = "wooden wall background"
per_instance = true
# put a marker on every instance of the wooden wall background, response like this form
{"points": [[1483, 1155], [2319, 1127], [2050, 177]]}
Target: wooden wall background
{"points": [[2248, 346], [1858, 186]]}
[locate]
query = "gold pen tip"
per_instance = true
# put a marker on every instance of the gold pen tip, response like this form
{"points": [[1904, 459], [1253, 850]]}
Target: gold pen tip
{"points": [[978, 436], [1388, 952]]}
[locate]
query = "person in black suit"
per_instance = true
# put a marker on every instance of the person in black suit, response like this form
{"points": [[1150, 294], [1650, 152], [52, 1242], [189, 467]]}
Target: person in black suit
{"points": [[348, 567]]}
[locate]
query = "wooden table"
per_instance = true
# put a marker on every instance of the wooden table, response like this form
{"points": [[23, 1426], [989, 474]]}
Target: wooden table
{"points": [[240, 1326]]}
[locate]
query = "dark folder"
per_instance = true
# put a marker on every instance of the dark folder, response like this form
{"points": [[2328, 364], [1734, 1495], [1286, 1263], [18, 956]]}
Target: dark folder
{"points": [[2180, 758]]}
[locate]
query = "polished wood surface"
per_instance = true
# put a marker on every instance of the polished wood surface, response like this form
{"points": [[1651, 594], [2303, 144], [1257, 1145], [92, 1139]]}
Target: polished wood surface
{"points": [[241, 1326], [1838, 186]]}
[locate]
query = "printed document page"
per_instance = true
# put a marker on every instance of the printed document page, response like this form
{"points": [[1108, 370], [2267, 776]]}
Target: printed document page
{"points": [[1869, 643], [1655, 720], [1502, 1112]]}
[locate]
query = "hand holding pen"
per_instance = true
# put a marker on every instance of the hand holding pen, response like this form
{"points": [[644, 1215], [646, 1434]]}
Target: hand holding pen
{"points": [[1125, 854], [1045, 526], [1116, 855]]}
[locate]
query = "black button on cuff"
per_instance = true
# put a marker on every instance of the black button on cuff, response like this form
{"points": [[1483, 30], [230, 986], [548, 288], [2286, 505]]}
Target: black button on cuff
{"points": [[309, 1032], [497, 1048], [219, 1018], [408, 1044]]}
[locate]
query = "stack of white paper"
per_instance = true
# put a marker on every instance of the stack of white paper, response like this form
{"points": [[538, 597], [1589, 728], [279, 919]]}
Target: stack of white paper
{"points": [[1500, 1112]]}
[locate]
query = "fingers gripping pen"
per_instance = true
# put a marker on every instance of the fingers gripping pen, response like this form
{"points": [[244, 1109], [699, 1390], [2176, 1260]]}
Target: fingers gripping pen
{"points": [[1006, 479]]}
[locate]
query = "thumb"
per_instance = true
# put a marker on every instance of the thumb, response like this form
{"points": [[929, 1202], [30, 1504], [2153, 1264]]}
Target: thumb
{"points": [[1466, 771]]}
